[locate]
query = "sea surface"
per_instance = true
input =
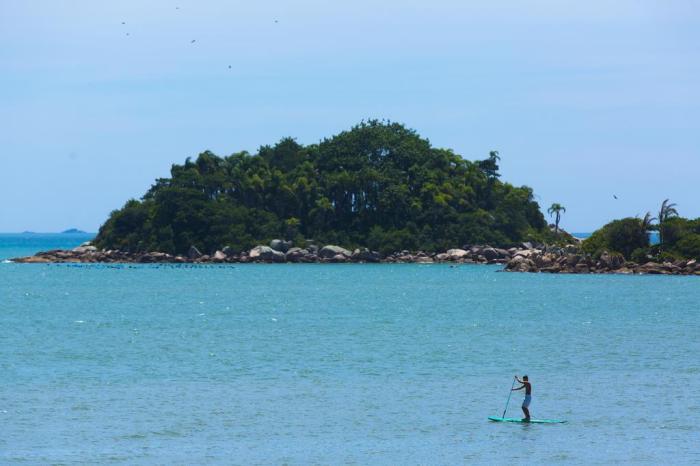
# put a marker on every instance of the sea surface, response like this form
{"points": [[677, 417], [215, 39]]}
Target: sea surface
{"points": [[341, 364]]}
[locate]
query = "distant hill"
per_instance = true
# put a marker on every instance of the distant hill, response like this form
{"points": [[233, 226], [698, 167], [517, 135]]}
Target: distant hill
{"points": [[378, 185], [74, 231]]}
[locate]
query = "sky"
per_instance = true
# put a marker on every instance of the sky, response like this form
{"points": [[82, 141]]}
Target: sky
{"points": [[583, 100]]}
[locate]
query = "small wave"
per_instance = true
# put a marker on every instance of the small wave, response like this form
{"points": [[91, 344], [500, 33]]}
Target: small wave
{"points": [[78, 321], [7, 261]]}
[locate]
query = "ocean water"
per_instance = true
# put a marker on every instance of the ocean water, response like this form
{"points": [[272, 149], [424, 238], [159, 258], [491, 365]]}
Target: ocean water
{"points": [[342, 364]]}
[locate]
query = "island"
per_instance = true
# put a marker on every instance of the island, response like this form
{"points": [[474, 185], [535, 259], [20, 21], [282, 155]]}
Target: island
{"points": [[378, 192], [73, 231]]}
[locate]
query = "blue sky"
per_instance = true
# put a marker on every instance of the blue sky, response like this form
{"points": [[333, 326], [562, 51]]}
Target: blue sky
{"points": [[582, 99]]}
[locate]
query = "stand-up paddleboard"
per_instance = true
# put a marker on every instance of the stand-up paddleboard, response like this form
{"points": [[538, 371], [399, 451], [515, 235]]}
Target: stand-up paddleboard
{"points": [[531, 421]]}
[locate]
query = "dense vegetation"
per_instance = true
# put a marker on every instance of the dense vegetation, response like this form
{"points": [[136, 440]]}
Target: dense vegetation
{"points": [[679, 237], [378, 185]]}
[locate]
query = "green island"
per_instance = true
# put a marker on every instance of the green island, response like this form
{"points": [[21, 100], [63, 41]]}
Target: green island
{"points": [[378, 185], [375, 193]]}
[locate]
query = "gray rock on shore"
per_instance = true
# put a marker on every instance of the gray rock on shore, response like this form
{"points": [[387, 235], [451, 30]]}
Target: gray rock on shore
{"points": [[280, 245], [266, 254], [194, 253], [331, 251], [561, 261]]}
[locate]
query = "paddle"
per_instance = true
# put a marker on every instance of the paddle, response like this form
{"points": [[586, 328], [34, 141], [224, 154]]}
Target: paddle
{"points": [[509, 393]]}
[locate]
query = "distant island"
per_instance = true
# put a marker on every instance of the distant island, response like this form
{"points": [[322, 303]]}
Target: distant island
{"points": [[74, 231]]}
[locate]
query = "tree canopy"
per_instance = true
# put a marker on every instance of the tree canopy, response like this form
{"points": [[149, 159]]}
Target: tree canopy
{"points": [[679, 237], [378, 185], [622, 236]]}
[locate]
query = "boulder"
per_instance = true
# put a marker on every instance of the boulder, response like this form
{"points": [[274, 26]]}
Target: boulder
{"points": [[490, 254], [442, 257], [296, 254], [525, 266], [610, 261], [194, 253], [280, 245], [265, 254], [524, 253], [545, 260], [85, 249], [454, 254], [365, 255], [651, 268], [219, 256], [228, 251], [572, 259], [155, 256], [32, 260], [581, 268], [339, 258], [330, 251]]}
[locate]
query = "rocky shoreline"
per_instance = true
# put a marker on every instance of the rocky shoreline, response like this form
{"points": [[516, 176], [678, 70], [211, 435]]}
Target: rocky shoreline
{"points": [[526, 258], [573, 261], [277, 252]]}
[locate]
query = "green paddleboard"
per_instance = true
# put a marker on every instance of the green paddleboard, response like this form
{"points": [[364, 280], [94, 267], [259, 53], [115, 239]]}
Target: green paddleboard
{"points": [[531, 421]]}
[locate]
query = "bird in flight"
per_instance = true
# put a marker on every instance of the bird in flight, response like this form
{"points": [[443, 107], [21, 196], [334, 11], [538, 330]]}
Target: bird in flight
{"points": [[193, 41], [229, 67], [615, 196], [123, 22]]}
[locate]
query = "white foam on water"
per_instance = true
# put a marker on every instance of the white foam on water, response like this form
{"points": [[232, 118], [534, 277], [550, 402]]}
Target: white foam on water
{"points": [[78, 321]]}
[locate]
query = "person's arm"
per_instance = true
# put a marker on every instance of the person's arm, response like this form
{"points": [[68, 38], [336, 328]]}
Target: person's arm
{"points": [[519, 388], [519, 381]]}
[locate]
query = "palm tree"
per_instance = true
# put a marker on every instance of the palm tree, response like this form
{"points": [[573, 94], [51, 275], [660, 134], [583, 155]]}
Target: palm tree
{"points": [[646, 221], [668, 210], [556, 209]]}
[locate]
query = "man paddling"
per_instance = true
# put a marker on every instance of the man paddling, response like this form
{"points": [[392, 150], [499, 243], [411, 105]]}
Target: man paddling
{"points": [[528, 395]]}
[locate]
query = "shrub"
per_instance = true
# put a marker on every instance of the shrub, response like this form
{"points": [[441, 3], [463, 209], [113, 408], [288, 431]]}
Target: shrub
{"points": [[623, 236]]}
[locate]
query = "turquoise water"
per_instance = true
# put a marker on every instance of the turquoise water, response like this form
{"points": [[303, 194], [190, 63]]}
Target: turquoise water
{"points": [[343, 364], [25, 244]]}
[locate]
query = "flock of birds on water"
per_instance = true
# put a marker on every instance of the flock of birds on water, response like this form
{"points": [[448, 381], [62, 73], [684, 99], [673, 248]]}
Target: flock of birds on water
{"points": [[122, 266], [97, 265], [191, 41]]}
